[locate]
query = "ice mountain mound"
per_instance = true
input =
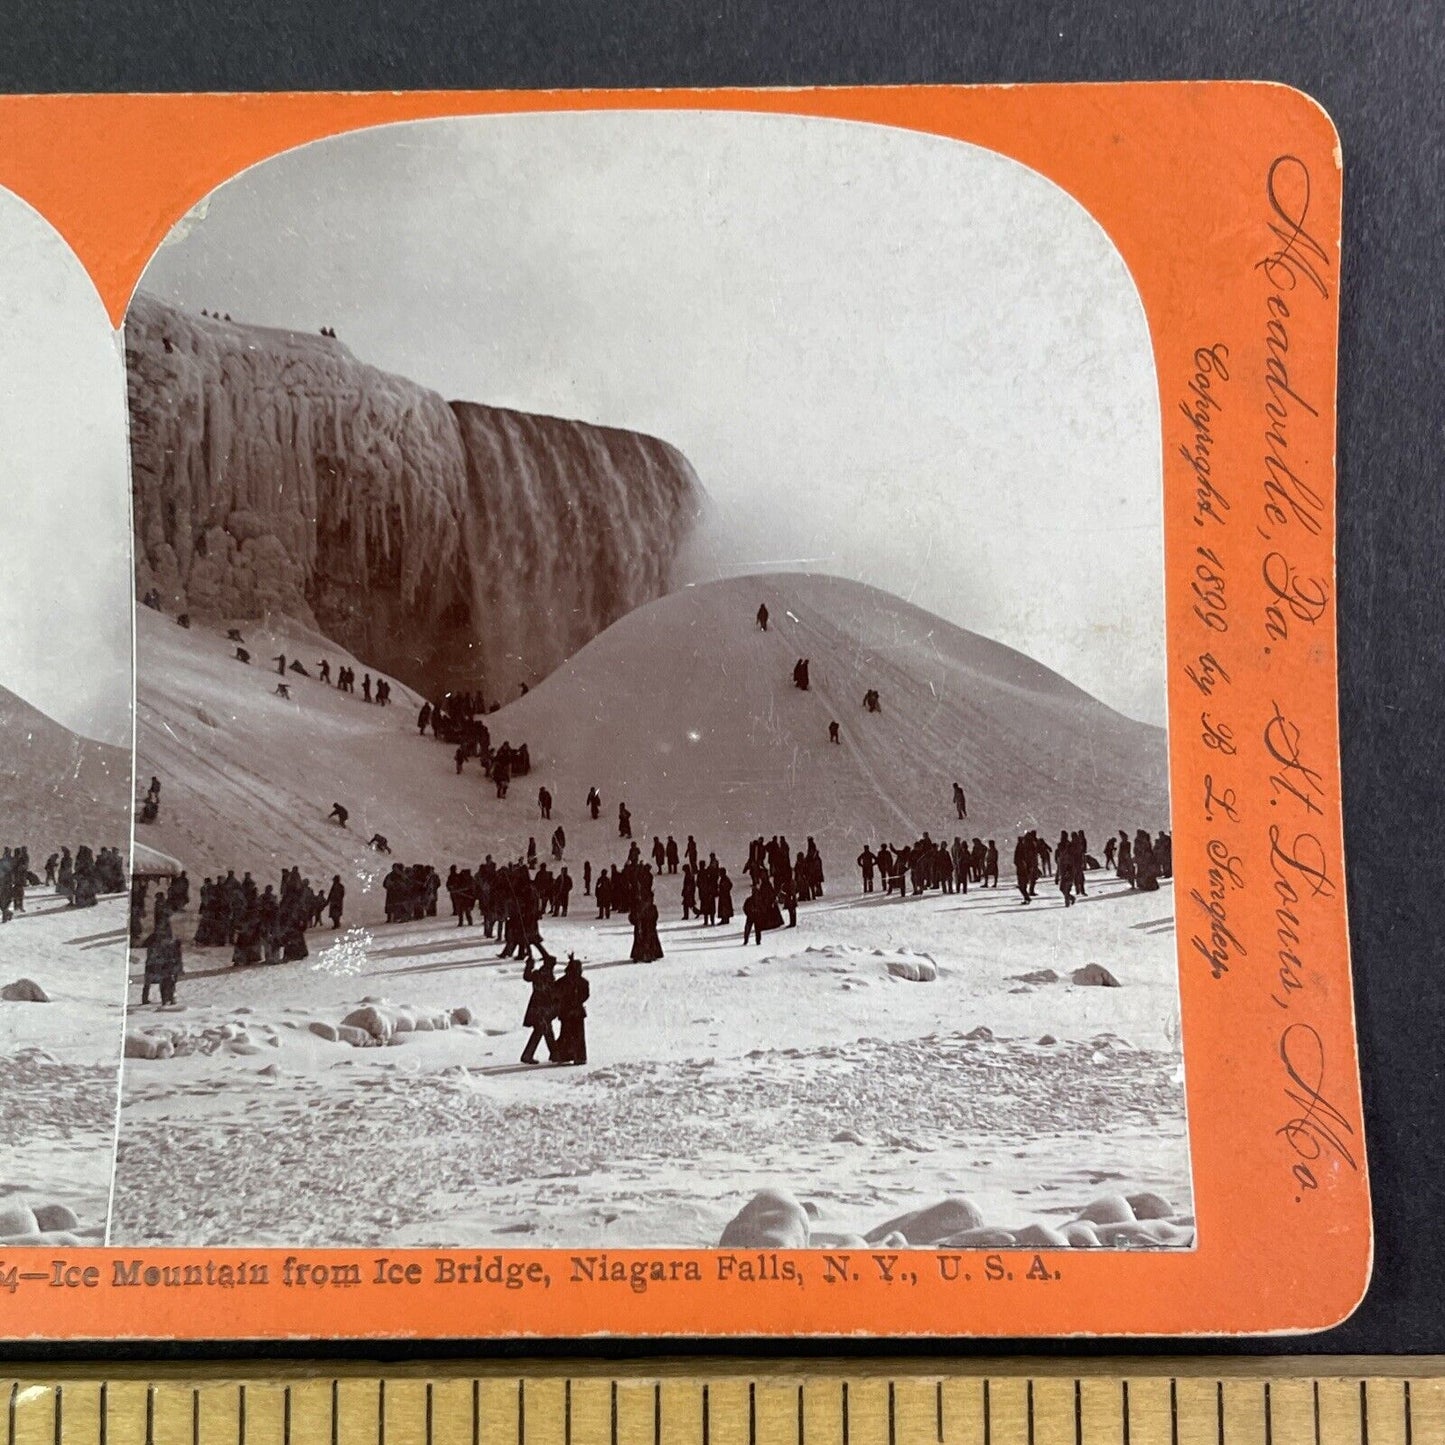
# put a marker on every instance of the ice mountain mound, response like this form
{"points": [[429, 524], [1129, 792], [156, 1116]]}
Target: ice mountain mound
{"points": [[686, 710], [57, 787]]}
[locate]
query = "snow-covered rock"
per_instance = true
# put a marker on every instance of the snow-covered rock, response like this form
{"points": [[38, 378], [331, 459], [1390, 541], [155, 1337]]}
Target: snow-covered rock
{"points": [[16, 1217], [771, 1219], [1108, 1209], [1148, 1205], [24, 990], [1093, 975], [938, 1221], [915, 968], [55, 1216]]}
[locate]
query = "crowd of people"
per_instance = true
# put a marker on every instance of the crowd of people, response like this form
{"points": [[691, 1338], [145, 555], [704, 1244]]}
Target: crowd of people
{"points": [[1142, 863], [259, 925], [379, 693], [81, 878], [926, 864], [457, 721], [952, 867], [265, 925], [510, 900], [454, 716]]}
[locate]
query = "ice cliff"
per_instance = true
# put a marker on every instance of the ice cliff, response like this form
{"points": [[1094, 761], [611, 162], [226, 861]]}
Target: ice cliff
{"points": [[449, 544]]}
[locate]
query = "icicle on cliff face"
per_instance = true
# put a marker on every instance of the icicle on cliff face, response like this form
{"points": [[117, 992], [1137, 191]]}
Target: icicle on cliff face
{"points": [[450, 545]]}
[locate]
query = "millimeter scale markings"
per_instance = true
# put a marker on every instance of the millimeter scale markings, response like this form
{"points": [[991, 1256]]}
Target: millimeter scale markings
{"points": [[1182, 1402]]}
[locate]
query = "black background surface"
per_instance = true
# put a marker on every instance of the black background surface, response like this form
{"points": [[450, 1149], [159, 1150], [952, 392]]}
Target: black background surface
{"points": [[1378, 68]]}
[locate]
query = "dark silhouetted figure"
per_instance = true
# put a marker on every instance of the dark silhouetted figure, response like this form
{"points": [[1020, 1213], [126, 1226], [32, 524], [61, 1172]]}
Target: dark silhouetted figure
{"points": [[763, 617], [178, 895], [754, 913], [423, 718], [541, 1009], [960, 803], [572, 994], [242, 655], [788, 898], [336, 900], [339, 813], [594, 803], [959, 860], [1124, 867], [544, 802], [624, 821], [233, 634], [283, 690], [325, 667], [646, 945], [460, 891], [163, 958], [1146, 866], [867, 861], [800, 674], [378, 841], [280, 661], [833, 734], [1026, 866]]}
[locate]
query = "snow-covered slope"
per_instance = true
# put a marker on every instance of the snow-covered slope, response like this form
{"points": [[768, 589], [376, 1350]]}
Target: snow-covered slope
{"points": [[687, 712], [57, 787], [273, 472], [683, 709]]}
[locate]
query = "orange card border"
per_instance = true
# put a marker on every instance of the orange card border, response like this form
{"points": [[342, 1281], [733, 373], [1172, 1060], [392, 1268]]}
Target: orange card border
{"points": [[1180, 176]]}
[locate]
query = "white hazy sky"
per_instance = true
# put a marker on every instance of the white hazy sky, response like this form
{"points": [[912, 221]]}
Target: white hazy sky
{"points": [[889, 356], [65, 568]]}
